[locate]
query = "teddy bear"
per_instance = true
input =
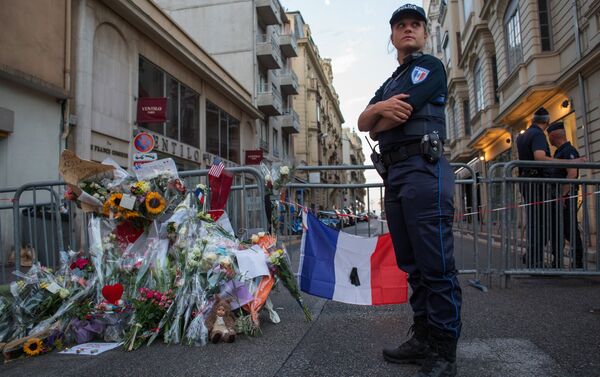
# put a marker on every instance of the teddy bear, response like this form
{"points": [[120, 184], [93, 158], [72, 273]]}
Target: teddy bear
{"points": [[221, 322]]}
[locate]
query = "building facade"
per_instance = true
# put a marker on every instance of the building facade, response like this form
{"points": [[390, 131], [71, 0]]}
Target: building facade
{"points": [[33, 91], [257, 50], [507, 58], [318, 108], [352, 154], [99, 59]]}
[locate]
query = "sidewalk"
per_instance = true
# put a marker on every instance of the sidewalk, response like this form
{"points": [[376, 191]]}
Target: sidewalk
{"points": [[539, 327]]}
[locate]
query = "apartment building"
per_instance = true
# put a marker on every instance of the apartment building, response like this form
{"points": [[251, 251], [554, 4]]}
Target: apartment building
{"points": [[352, 154], [318, 108], [254, 41], [505, 59]]}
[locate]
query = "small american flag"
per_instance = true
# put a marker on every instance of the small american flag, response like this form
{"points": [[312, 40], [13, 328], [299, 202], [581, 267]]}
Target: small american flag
{"points": [[216, 169]]}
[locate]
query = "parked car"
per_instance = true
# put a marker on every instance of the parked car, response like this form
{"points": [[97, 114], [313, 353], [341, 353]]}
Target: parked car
{"points": [[349, 216], [363, 216], [330, 219], [343, 217]]}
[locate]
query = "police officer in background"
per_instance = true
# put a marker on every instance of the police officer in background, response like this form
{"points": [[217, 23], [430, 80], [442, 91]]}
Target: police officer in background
{"points": [[533, 146], [564, 224], [406, 116]]}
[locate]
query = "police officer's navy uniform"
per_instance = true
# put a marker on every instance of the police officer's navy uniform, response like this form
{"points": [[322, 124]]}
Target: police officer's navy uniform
{"points": [[535, 194], [419, 195], [567, 221]]}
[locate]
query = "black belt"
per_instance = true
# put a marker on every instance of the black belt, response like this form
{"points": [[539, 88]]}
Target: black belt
{"points": [[401, 154]]}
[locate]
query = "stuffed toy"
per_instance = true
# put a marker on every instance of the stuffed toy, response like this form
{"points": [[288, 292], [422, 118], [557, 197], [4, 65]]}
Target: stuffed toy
{"points": [[221, 322]]}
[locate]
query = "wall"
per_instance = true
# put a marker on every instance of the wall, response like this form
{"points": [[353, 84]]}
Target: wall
{"points": [[225, 28], [40, 34]]}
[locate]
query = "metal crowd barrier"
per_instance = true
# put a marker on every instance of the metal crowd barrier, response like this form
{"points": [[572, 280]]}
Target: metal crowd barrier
{"points": [[466, 228], [539, 214], [43, 223]]}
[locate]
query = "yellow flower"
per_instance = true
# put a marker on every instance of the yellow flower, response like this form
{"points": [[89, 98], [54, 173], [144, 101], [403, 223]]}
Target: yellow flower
{"points": [[115, 200], [44, 285], [33, 346], [142, 187], [155, 204]]}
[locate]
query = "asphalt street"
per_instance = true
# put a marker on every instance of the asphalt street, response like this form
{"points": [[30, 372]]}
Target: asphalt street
{"points": [[538, 327]]}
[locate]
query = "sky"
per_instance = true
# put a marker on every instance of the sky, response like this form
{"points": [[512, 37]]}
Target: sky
{"points": [[355, 35]]}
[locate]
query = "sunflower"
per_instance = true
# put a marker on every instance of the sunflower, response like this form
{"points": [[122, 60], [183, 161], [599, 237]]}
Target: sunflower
{"points": [[155, 204], [33, 346], [106, 208], [115, 199]]}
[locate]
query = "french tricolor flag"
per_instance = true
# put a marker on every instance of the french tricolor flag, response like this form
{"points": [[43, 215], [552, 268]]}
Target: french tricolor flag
{"points": [[347, 268]]}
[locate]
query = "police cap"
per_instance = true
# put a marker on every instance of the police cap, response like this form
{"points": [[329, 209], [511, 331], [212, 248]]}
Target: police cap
{"points": [[556, 126], [541, 116], [408, 9]]}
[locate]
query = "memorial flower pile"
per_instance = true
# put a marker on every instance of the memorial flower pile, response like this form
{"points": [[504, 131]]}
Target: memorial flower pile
{"points": [[156, 264]]}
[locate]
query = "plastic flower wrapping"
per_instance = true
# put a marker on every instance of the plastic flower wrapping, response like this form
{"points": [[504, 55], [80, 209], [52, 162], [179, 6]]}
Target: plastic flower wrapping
{"points": [[155, 266]]}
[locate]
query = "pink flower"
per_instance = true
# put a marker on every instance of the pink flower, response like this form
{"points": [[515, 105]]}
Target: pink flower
{"points": [[69, 194], [149, 295]]}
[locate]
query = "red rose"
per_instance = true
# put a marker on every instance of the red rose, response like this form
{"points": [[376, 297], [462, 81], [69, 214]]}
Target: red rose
{"points": [[81, 263]]}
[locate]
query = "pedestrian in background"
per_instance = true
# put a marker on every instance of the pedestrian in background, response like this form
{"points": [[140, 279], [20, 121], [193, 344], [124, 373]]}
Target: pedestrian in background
{"points": [[564, 211], [533, 146], [406, 116]]}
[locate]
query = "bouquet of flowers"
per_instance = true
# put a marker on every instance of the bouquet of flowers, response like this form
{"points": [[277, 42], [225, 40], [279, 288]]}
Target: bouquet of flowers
{"points": [[149, 308]]}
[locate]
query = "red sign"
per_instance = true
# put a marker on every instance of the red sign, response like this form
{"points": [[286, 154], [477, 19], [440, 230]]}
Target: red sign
{"points": [[254, 157], [152, 110], [143, 142]]}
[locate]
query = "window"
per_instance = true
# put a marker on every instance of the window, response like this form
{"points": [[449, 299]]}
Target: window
{"points": [[467, 9], [222, 133], [451, 124], [275, 143], [264, 136], [438, 39], [512, 33], [545, 33], [183, 114], [495, 78], [455, 123], [467, 117], [478, 83], [447, 52], [286, 146]]}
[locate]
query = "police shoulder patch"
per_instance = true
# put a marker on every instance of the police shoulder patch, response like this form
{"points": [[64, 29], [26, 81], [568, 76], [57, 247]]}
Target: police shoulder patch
{"points": [[419, 74]]}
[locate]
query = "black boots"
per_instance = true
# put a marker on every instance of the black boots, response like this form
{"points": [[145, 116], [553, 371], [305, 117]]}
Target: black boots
{"points": [[414, 350], [441, 361]]}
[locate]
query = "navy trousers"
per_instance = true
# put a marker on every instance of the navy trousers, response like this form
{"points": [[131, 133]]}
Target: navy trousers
{"points": [[419, 206]]}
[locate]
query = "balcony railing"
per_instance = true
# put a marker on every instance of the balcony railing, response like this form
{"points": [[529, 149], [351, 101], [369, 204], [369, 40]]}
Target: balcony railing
{"points": [[290, 121], [269, 99], [288, 82], [268, 11], [267, 50], [288, 44]]}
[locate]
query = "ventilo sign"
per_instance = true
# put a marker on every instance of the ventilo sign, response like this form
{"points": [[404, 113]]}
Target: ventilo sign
{"points": [[152, 109]]}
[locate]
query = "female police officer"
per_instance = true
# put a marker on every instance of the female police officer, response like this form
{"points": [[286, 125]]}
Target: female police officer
{"points": [[406, 116]]}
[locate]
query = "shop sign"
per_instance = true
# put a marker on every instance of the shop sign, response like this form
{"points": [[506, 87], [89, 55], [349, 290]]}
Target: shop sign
{"points": [[175, 148], [103, 146], [152, 109], [254, 157]]}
